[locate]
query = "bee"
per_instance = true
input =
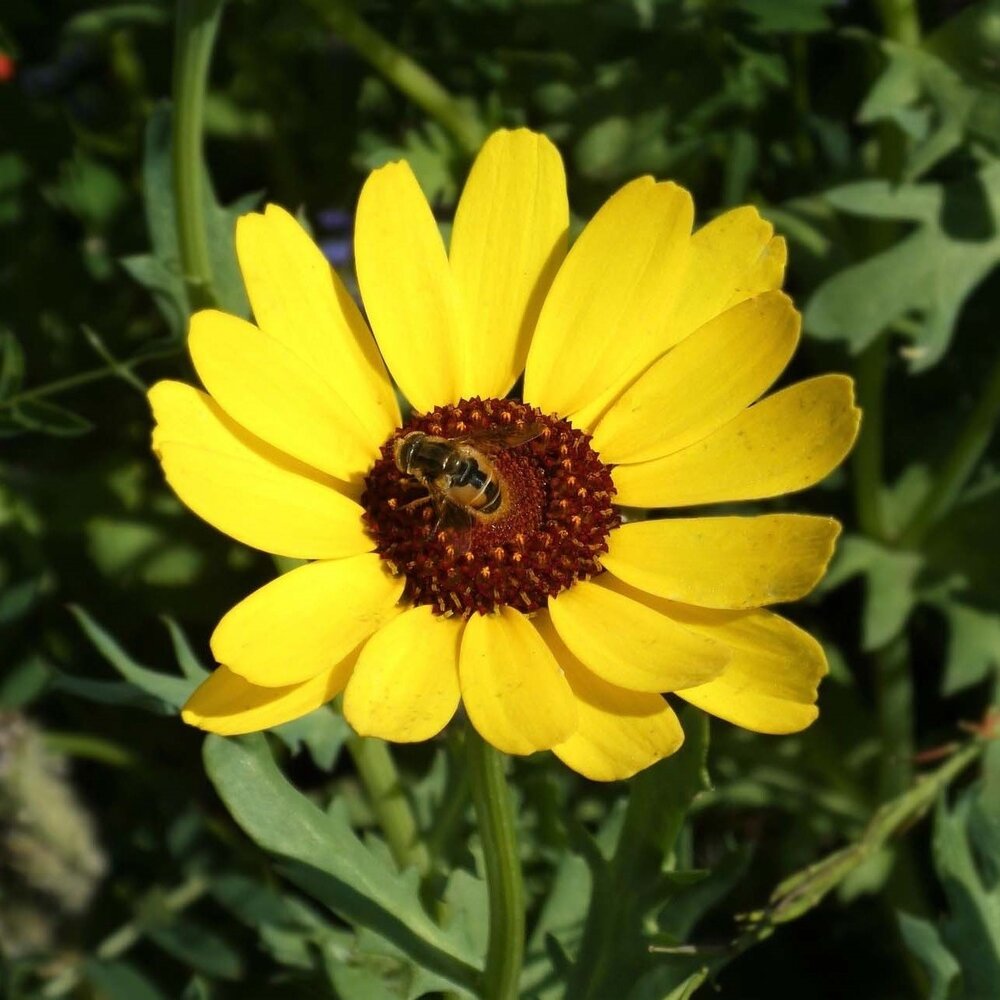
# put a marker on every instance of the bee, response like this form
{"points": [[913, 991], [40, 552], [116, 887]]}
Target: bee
{"points": [[460, 477]]}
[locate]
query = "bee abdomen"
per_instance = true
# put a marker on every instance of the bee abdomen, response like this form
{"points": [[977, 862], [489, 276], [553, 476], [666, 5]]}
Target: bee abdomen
{"points": [[491, 496]]}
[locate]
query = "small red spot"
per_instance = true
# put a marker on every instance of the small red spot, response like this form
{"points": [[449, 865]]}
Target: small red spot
{"points": [[7, 67]]}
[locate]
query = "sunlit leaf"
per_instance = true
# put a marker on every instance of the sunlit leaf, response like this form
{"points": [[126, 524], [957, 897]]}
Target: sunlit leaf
{"points": [[926, 276]]}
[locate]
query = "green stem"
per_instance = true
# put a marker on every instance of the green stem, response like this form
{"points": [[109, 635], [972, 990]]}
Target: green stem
{"points": [[495, 816], [400, 70], [83, 746], [197, 26], [387, 796], [900, 20], [83, 378], [961, 462], [867, 460], [129, 934], [894, 697]]}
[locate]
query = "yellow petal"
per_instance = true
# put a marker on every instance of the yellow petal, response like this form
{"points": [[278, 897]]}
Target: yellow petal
{"points": [[724, 562], [267, 389], [611, 297], [786, 442], [733, 258], [405, 685], [229, 705], [703, 383], [512, 687], [299, 301], [507, 243], [619, 732], [770, 684], [245, 487], [307, 620], [628, 644], [407, 287]]}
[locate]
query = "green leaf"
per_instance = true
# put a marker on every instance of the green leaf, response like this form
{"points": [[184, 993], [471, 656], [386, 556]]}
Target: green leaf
{"points": [[11, 364], [926, 276], [925, 944], [668, 984], [890, 585], [119, 981], [968, 874], [614, 948], [18, 599], [806, 889], [928, 99], [161, 272], [189, 663], [164, 282], [198, 947], [173, 691], [973, 645], [321, 854], [780, 16], [49, 418], [120, 693], [430, 152], [322, 732]]}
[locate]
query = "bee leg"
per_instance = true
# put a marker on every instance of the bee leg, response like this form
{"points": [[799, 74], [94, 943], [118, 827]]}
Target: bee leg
{"points": [[415, 503]]}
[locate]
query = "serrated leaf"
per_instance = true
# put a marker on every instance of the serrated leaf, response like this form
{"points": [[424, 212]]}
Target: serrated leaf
{"points": [[321, 854], [161, 272], [628, 888], [890, 585], [689, 903], [916, 85], [467, 903], [925, 944], [971, 931], [926, 276], [323, 732], [973, 645]]}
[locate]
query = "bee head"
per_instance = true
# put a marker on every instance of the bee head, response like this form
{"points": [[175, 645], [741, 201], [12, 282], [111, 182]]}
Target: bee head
{"points": [[404, 450]]}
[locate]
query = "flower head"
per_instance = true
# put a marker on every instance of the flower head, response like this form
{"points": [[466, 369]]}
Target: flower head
{"points": [[477, 552]]}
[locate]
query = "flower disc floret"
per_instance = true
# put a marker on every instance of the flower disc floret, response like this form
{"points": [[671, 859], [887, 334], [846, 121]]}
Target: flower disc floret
{"points": [[551, 531]]}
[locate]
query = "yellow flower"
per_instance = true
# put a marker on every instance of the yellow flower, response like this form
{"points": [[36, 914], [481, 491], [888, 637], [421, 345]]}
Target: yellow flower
{"points": [[554, 623]]}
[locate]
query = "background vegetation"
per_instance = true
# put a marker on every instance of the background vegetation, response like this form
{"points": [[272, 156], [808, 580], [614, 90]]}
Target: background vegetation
{"points": [[870, 134]]}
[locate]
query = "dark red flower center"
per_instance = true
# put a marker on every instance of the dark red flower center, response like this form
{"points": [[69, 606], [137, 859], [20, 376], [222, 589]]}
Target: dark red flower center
{"points": [[540, 524]]}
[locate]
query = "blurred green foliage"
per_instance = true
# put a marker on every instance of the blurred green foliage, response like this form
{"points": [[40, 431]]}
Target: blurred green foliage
{"points": [[878, 158]]}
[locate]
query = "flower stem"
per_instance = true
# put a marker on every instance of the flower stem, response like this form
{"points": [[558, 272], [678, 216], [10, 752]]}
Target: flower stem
{"points": [[401, 71], [961, 462], [378, 773], [197, 26], [495, 816]]}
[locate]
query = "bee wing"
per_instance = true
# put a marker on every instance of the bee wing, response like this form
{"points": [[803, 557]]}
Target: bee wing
{"points": [[449, 513], [499, 438]]}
